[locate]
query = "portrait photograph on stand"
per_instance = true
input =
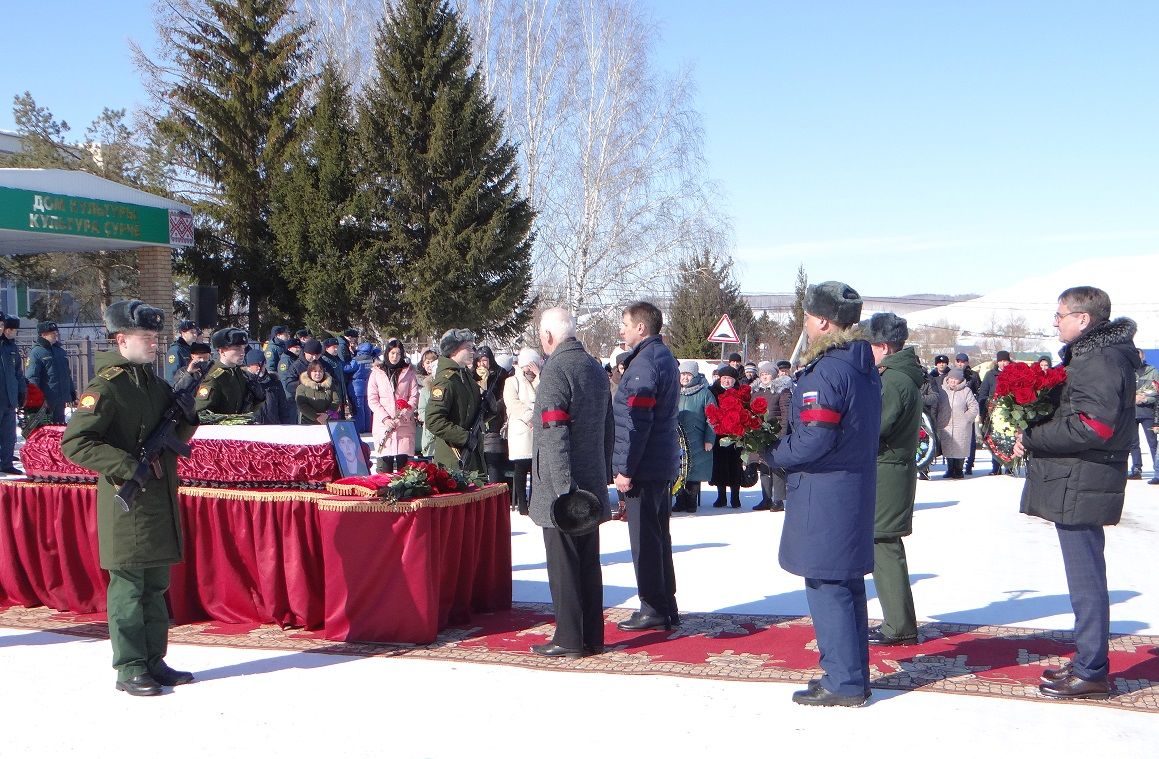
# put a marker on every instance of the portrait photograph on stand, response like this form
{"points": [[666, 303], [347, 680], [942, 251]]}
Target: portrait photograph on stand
{"points": [[348, 451]]}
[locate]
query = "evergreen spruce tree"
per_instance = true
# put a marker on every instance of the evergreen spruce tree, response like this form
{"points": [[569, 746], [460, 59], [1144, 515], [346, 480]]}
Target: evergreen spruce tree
{"points": [[446, 236], [704, 290], [312, 210], [233, 103]]}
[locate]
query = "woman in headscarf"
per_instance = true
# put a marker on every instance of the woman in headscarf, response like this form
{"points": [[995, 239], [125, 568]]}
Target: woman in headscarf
{"points": [[957, 410], [694, 398], [393, 395]]}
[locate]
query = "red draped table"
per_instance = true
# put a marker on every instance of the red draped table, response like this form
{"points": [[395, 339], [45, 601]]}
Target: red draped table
{"points": [[351, 568]]}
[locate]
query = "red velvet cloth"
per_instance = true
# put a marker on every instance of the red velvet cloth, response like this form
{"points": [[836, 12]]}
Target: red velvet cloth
{"points": [[218, 461], [261, 558]]}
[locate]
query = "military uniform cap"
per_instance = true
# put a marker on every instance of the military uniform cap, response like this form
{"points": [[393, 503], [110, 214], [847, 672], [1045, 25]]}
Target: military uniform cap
{"points": [[199, 349], [126, 315], [46, 327], [329, 341], [254, 356], [303, 333], [293, 342], [185, 325], [312, 347], [229, 336], [11, 322], [783, 364]]}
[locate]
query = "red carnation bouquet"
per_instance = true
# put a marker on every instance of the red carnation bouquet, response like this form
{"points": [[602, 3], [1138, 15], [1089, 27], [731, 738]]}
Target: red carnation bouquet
{"points": [[739, 419], [1024, 394]]}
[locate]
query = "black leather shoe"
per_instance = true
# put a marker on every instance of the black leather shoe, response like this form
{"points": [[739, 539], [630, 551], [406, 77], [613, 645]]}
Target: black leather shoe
{"points": [[777, 506], [1076, 687], [923, 475], [593, 650], [640, 621], [554, 651], [141, 685], [764, 505], [166, 675], [816, 695], [815, 683], [876, 638], [1055, 675], [1136, 474], [718, 503]]}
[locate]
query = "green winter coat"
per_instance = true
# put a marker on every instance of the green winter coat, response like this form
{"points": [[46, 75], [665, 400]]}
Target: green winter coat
{"points": [[226, 390], [119, 408], [901, 415], [697, 431], [454, 401]]}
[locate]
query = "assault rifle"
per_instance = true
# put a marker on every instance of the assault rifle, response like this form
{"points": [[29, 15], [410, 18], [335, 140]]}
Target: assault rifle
{"points": [[162, 438]]}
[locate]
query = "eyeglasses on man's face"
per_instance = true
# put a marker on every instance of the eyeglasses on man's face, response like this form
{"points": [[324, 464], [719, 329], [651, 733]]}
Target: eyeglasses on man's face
{"points": [[1059, 317]]}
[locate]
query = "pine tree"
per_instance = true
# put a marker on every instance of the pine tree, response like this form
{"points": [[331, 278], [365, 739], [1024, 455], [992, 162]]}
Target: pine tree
{"points": [[446, 236], [704, 290], [233, 101], [312, 208]]}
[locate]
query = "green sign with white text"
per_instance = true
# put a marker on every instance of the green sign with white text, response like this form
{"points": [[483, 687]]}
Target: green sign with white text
{"points": [[52, 213]]}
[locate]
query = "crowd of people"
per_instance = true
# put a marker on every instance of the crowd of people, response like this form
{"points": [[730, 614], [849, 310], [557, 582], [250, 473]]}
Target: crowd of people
{"points": [[843, 470]]}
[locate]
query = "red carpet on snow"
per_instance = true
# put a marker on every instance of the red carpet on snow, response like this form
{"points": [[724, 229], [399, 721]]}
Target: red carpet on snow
{"points": [[953, 658]]}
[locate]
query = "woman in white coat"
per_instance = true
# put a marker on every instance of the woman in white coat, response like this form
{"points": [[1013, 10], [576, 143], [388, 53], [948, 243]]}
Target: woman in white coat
{"points": [[957, 410], [519, 397], [393, 395]]}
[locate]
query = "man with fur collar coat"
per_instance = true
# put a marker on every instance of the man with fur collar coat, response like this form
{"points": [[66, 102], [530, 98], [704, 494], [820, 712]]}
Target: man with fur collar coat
{"points": [[1077, 473], [830, 456]]}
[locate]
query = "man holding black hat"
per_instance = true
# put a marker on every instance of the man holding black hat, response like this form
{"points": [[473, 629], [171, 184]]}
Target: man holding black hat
{"points": [[453, 411], [229, 389], [830, 456], [48, 369], [572, 439], [122, 405], [199, 363], [13, 391], [178, 355], [902, 379], [985, 393]]}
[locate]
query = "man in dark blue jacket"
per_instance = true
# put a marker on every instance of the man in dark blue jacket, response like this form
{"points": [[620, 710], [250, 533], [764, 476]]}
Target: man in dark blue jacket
{"points": [[48, 369], [645, 462], [830, 457], [178, 355], [13, 390]]}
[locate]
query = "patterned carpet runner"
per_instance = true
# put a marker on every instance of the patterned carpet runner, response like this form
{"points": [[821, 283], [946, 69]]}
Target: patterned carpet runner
{"points": [[991, 661]]}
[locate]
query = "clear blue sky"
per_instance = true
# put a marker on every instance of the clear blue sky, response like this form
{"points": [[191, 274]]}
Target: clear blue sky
{"points": [[919, 146]]}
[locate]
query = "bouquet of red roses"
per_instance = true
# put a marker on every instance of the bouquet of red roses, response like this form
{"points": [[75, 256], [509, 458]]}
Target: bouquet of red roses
{"points": [[739, 419], [1023, 394]]}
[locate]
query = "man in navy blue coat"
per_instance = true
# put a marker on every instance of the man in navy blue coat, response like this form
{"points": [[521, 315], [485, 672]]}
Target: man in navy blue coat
{"points": [[645, 462], [830, 457]]}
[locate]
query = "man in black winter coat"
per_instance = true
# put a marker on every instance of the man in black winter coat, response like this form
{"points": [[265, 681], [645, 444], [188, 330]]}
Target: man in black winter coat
{"points": [[1077, 473]]}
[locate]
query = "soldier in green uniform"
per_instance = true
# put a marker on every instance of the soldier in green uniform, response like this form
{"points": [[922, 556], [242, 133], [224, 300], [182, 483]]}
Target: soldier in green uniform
{"points": [[122, 405], [454, 401], [228, 388]]}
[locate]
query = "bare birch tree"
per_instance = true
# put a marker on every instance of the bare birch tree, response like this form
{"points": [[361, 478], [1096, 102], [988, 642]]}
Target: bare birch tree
{"points": [[611, 148]]}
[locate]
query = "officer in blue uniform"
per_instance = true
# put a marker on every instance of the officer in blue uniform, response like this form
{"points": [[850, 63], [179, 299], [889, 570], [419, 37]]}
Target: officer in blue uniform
{"points": [[47, 368], [276, 347], [178, 355], [830, 457], [13, 391]]}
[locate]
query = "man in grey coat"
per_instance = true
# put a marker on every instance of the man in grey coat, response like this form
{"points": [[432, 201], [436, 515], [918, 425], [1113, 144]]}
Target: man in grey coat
{"points": [[571, 449]]}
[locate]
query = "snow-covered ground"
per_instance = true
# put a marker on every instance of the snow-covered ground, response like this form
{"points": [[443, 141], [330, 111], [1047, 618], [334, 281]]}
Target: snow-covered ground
{"points": [[973, 557]]}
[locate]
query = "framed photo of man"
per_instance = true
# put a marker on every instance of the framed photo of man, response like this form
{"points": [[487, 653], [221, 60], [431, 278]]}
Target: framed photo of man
{"points": [[348, 450]]}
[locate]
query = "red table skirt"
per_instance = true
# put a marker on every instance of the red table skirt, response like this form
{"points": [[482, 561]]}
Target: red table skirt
{"points": [[351, 568]]}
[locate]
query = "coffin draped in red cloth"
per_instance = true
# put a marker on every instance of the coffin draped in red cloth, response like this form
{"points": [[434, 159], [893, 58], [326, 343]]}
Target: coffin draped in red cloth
{"points": [[354, 568], [258, 456]]}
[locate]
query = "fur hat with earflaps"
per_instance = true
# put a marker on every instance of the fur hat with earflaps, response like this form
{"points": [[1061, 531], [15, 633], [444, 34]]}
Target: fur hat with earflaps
{"points": [[126, 315], [884, 328], [835, 301]]}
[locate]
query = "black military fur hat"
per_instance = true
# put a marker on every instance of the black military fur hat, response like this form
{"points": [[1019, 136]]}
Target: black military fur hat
{"points": [[198, 349], [224, 338], [576, 513], [452, 339], [835, 301], [885, 328], [46, 327], [125, 315]]}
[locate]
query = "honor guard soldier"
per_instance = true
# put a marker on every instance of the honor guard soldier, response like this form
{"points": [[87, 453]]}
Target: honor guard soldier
{"points": [[453, 415], [228, 388], [48, 369], [178, 355], [125, 402]]}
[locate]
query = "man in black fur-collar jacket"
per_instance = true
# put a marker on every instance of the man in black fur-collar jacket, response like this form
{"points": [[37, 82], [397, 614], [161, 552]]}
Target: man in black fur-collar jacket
{"points": [[1077, 473]]}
